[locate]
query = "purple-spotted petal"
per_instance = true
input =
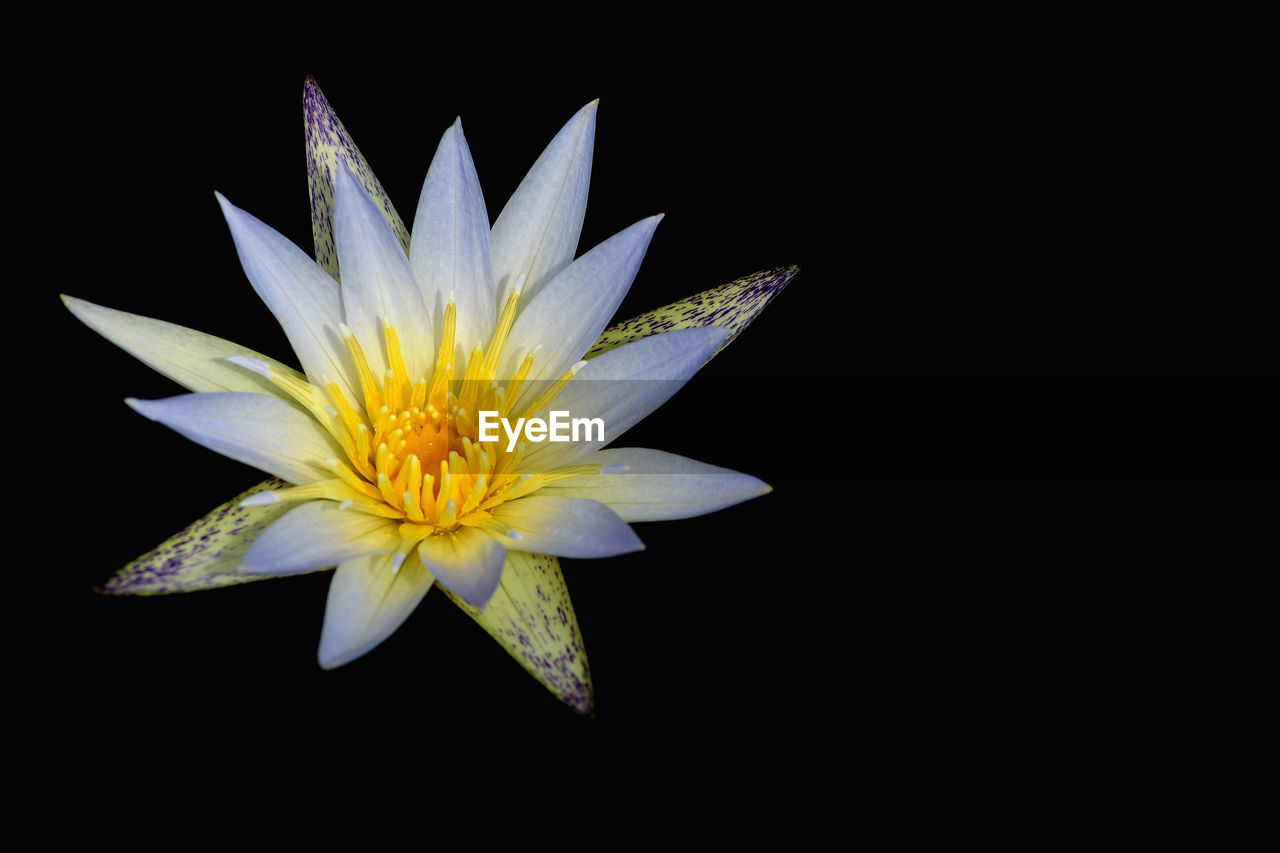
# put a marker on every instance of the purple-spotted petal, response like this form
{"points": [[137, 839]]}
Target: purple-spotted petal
{"points": [[206, 554], [329, 144], [732, 306], [531, 615]]}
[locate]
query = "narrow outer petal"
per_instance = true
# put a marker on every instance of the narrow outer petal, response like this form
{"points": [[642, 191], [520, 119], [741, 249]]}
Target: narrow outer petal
{"points": [[658, 486], [570, 312], [265, 432], [368, 601], [466, 562], [318, 535], [565, 527], [732, 306], [378, 287], [328, 144], [195, 360], [204, 555], [450, 250], [532, 616], [537, 232], [622, 386], [302, 297]]}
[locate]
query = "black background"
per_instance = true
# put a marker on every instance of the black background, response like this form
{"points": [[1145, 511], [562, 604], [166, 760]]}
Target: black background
{"points": [[1013, 406]]}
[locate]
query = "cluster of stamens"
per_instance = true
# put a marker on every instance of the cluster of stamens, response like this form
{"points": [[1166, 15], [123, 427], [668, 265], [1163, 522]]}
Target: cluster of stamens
{"points": [[412, 449]]}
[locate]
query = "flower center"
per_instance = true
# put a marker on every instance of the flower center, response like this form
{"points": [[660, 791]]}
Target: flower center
{"points": [[412, 448]]}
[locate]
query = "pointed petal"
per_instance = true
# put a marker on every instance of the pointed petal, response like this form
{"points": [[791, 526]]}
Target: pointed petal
{"points": [[565, 527], [318, 535], [531, 616], [378, 287], [732, 306], [537, 232], [328, 144], [450, 248], [570, 312], [265, 432], [205, 554], [658, 486], [467, 563], [192, 359], [623, 386], [368, 601], [304, 299]]}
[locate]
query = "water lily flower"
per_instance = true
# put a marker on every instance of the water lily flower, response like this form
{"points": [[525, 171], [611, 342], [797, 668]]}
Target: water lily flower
{"points": [[378, 463]]}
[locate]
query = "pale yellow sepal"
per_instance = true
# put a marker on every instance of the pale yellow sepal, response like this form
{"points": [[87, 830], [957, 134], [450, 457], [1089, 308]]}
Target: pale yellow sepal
{"points": [[327, 143], [531, 616], [204, 555], [731, 306]]}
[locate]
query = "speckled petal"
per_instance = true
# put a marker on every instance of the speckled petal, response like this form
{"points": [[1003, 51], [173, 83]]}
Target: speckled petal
{"points": [[204, 555], [265, 432], [327, 143], [368, 600], [195, 360], [732, 306], [318, 535], [658, 486], [536, 234], [531, 616]]}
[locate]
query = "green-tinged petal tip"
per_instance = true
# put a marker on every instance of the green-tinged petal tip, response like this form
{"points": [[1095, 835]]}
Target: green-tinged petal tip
{"points": [[531, 616], [204, 555], [732, 306]]}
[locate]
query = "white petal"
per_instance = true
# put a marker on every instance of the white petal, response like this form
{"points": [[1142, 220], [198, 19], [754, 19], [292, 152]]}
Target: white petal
{"points": [[565, 527], [624, 385], [659, 486], [450, 247], [193, 359], [318, 535], [258, 430], [378, 286], [368, 601], [537, 232], [302, 296], [467, 563], [567, 316]]}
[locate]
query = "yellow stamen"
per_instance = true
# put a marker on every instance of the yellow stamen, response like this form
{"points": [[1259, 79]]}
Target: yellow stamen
{"points": [[556, 388], [372, 396], [499, 337]]}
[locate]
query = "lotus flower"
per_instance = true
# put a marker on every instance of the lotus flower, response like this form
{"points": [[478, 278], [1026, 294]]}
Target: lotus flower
{"points": [[378, 459]]}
